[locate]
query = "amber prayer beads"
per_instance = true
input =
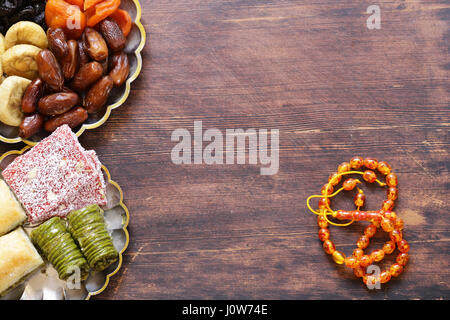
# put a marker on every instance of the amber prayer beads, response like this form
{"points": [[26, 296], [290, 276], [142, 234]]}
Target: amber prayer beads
{"points": [[384, 218]]}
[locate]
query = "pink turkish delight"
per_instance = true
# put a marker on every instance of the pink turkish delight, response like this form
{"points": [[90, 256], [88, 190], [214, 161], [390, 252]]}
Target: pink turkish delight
{"points": [[56, 177]]}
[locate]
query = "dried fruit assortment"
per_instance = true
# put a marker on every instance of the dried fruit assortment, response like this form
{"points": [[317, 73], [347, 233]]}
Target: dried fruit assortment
{"points": [[62, 74], [385, 219]]}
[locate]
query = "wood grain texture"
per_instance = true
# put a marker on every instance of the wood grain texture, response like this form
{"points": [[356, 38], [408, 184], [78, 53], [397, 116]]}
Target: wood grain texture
{"points": [[334, 89]]}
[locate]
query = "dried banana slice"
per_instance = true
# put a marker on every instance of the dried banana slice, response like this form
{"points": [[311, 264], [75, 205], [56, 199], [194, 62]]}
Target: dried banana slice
{"points": [[20, 60], [11, 92], [26, 32]]}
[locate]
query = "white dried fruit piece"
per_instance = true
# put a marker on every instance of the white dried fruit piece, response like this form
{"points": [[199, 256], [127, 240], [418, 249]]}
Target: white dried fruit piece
{"points": [[11, 93], [20, 60], [2, 44], [26, 32]]}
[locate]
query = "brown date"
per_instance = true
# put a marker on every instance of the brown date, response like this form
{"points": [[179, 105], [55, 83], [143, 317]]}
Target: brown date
{"points": [[83, 57], [32, 94], [112, 34], [72, 118], [49, 70], [57, 42], [57, 103], [70, 62], [31, 125], [119, 68], [94, 44], [86, 75], [98, 94]]}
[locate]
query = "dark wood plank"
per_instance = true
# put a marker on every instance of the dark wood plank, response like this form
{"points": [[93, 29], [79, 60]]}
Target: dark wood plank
{"points": [[334, 89]]}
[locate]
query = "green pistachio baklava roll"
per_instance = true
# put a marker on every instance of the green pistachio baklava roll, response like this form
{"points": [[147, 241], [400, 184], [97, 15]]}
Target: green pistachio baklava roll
{"points": [[59, 248], [88, 228]]}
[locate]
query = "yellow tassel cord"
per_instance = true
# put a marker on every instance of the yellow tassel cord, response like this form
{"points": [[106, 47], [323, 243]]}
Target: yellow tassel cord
{"points": [[327, 212]]}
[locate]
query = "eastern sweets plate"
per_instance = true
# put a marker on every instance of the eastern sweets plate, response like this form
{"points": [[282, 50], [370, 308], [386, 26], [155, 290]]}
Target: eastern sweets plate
{"points": [[50, 229], [87, 111]]}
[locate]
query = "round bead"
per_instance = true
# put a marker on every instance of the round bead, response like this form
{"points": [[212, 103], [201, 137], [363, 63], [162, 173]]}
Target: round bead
{"points": [[369, 176], [391, 215], [387, 205], [359, 199], [403, 246], [356, 162], [358, 253], [391, 180], [350, 184], [385, 276], [387, 224], [396, 269], [389, 247], [399, 224], [396, 235], [338, 257], [327, 189], [328, 246], [371, 163], [384, 168], [370, 230], [365, 261], [322, 222], [370, 280], [377, 255], [343, 167], [351, 262], [324, 203], [324, 234], [362, 242], [334, 179], [359, 272], [402, 259], [392, 193]]}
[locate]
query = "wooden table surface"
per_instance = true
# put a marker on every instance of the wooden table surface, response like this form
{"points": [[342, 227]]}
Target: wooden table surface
{"points": [[334, 89]]}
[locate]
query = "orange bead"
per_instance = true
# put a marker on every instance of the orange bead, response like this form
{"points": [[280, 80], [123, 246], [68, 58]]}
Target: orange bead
{"points": [[356, 162], [369, 176], [322, 222], [392, 193], [351, 262], [327, 189], [384, 168], [359, 199], [324, 234], [371, 163], [396, 235], [334, 179], [358, 253], [363, 242], [403, 246], [365, 261], [370, 230], [324, 203], [343, 167], [389, 247], [350, 184], [385, 276], [388, 205], [391, 215], [402, 258], [377, 255], [328, 246], [359, 272], [338, 257], [387, 224], [399, 224], [396, 269], [370, 280], [391, 180]]}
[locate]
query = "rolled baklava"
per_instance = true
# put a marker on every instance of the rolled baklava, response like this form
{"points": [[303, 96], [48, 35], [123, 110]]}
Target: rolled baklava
{"points": [[57, 245], [18, 258], [11, 212], [87, 226]]}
